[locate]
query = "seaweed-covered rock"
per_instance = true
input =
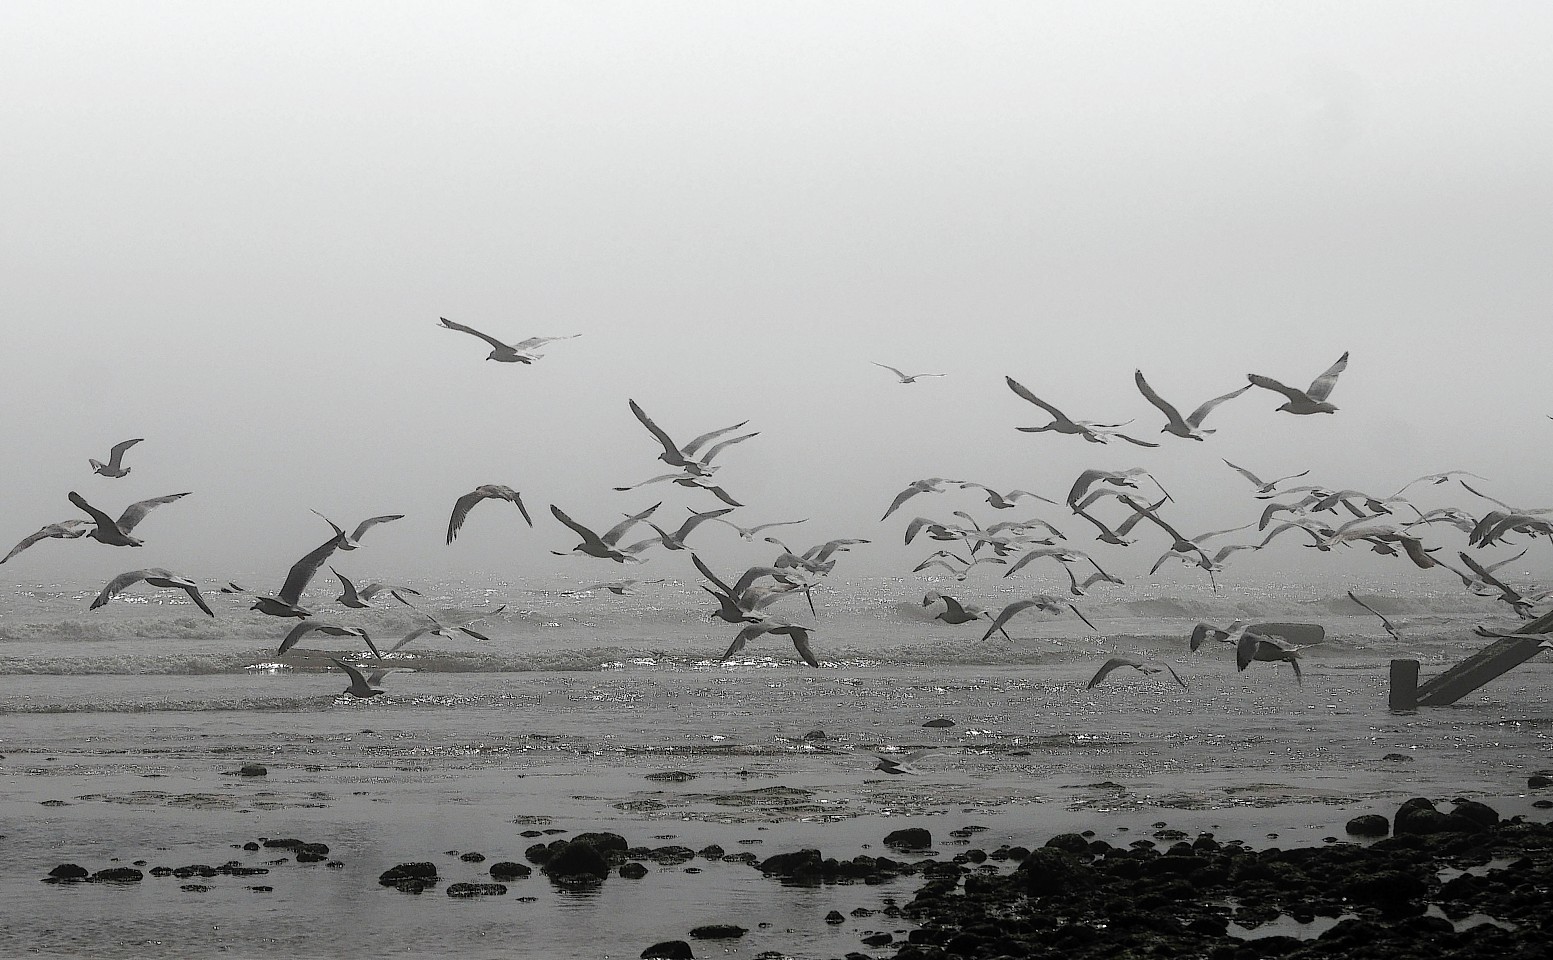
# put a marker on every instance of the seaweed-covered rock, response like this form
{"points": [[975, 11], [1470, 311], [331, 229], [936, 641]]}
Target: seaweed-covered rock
{"points": [[575, 861], [668, 950], [632, 870], [118, 875], [68, 873], [909, 838], [413, 877], [1368, 825], [505, 870], [718, 931], [467, 891]]}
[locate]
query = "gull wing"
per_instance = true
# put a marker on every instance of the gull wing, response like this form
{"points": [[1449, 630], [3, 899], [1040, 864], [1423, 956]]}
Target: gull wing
{"points": [[696, 519], [588, 536], [710, 576], [417, 632], [301, 573], [719, 447], [1269, 383], [672, 454], [613, 534], [136, 512], [449, 324], [1201, 413], [68, 530], [1164, 406], [1106, 668], [116, 454], [121, 582], [889, 368], [696, 444], [1245, 473], [1321, 387], [1390, 627], [98, 517], [370, 522], [745, 636], [901, 498], [800, 638], [1024, 393]]}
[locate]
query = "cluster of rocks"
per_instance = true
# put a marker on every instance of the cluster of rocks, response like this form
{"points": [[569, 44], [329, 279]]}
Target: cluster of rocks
{"points": [[1396, 897], [302, 851]]}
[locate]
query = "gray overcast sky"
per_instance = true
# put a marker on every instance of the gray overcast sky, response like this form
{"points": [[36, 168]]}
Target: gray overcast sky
{"points": [[230, 229]]}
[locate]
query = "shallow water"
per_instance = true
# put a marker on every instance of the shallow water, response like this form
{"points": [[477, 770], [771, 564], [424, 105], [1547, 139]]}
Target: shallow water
{"points": [[122, 732]]}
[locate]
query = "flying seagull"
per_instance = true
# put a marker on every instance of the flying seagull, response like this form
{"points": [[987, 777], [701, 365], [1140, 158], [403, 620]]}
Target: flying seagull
{"points": [[156, 577], [437, 628], [352, 540], [116, 533], [905, 377], [308, 626], [685, 457], [1313, 399], [763, 624], [1391, 628], [1046, 604], [361, 687], [285, 603], [929, 485], [466, 503], [604, 547], [748, 533], [1191, 428], [359, 599], [1256, 646], [520, 352], [66, 530], [1118, 662], [115, 457], [1267, 486], [1062, 423]]}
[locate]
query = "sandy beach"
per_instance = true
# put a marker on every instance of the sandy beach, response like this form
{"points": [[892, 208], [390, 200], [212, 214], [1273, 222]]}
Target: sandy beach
{"points": [[670, 749]]}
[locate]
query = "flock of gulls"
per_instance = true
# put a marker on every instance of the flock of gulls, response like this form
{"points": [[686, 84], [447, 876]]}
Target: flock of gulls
{"points": [[1119, 508]]}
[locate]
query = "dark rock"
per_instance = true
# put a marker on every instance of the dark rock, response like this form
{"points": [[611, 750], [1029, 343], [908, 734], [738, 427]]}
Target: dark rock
{"points": [[670, 856], [909, 838], [473, 858], [633, 870], [1479, 813], [252, 770], [160, 871], [118, 875], [1369, 825], [576, 860], [940, 723], [608, 845], [194, 888], [531, 834], [540, 852], [468, 890], [194, 870], [814, 735], [251, 846], [835, 917], [710, 852], [878, 939], [668, 950], [1539, 781], [418, 872], [718, 931], [671, 776], [69, 873], [1069, 843], [506, 870], [790, 866]]}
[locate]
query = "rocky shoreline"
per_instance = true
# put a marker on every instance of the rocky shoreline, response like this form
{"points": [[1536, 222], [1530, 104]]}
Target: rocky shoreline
{"points": [[1461, 882]]}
